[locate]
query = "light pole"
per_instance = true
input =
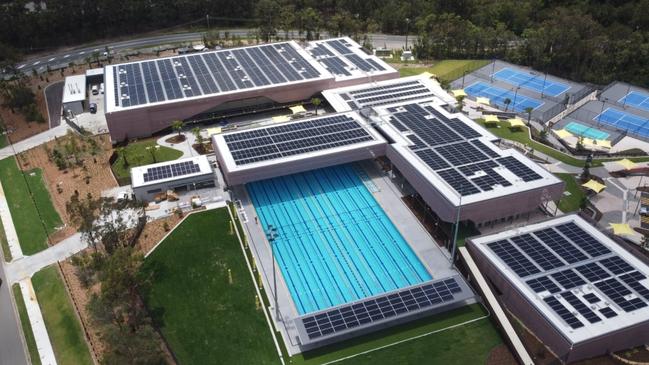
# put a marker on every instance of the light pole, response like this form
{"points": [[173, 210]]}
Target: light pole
{"points": [[407, 29], [515, 95], [463, 74], [544, 78], [271, 235]]}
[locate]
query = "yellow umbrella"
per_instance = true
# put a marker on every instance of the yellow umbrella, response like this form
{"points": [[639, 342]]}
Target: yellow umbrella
{"points": [[213, 130], [562, 133], [588, 142], [297, 109], [482, 100], [603, 143], [594, 186], [281, 118], [621, 229], [516, 122], [491, 118], [458, 92], [628, 164]]}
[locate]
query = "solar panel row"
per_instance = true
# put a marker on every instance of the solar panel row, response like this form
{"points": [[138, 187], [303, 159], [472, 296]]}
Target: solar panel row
{"points": [[380, 308], [171, 170], [209, 73]]}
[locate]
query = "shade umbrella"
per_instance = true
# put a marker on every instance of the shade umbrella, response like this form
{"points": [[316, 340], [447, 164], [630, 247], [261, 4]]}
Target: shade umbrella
{"points": [[297, 109], [482, 100], [458, 92], [627, 164], [562, 133], [490, 118], [515, 122], [594, 185], [622, 229]]}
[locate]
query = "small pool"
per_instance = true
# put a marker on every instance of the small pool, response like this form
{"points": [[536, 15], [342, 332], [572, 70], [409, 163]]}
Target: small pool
{"points": [[334, 243], [586, 131]]}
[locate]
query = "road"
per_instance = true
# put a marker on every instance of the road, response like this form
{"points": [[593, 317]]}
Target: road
{"points": [[80, 54], [12, 351]]}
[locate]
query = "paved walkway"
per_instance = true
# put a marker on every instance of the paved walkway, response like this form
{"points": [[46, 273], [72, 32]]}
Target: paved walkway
{"points": [[185, 147], [8, 224], [42, 339], [34, 141]]}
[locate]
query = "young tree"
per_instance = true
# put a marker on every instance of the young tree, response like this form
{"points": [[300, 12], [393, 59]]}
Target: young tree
{"points": [[199, 137], [121, 151], [460, 101], [177, 126], [267, 12], [316, 103], [287, 19], [507, 101], [529, 110]]}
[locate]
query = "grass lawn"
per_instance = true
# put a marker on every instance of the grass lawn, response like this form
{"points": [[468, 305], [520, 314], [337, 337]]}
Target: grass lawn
{"points": [[138, 155], [446, 70], [571, 203], [26, 326], [25, 214], [201, 315], [466, 344], [522, 135], [5, 245], [61, 322]]}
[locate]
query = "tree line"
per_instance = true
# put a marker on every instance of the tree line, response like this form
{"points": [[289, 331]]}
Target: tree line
{"points": [[587, 40]]}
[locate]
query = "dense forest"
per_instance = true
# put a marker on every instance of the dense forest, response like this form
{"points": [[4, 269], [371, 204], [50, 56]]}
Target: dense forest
{"points": [[592, 41]]}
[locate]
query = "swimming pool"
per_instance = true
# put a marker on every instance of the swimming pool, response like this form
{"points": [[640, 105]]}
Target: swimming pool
{"points": [[334, 242], [585, 131]]}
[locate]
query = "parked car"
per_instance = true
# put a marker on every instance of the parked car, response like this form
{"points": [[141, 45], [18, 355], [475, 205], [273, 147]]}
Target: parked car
{"points": [[92, 108], [95, 90], [644, 210]]}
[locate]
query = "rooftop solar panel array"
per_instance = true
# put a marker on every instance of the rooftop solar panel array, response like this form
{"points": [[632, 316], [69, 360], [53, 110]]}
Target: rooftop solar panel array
{"points": [[209, 73], [577, 276], [381, 95], [389, 306], [295, 138], [171, 170], [339, 58], [450, 147]]}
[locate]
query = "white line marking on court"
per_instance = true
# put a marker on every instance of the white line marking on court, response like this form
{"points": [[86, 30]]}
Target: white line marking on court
{"points": [[82, 52], [21, 66], [66, 56], [36, 63], [51, 59], [95, 50]]}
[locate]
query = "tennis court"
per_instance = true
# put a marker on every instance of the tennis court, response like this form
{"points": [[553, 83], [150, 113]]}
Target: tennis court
{"points": [[636, 99], [585, 131], [625, 121], [532, 82], [498, 96]]}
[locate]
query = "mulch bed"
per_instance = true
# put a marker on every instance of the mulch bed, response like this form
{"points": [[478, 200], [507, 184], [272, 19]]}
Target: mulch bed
{"points": [[176, 139]]}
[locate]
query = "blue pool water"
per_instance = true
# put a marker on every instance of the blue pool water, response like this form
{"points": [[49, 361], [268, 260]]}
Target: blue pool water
{"points": [[585, 131], [636, 99], [497, 96], [622, 120], [528, 81], [334, 242]]}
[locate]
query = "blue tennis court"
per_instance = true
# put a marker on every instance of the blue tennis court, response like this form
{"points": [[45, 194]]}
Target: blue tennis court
{"points": [[334, 243], [498, 96], [625, 121], [636, 99], [531, 82], [585, 131]]}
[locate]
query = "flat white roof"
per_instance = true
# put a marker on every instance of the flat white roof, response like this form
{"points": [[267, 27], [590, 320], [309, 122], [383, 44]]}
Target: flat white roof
{"points": [[346, 60], [163, 172], [94, 72], [74, 88], [295, 140], [592, 288], [411, 88], [205, 74], [487, 173]]}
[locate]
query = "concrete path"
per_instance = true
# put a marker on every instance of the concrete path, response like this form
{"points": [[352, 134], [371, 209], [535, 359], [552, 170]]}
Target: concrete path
{"points": [[29, 265], [185, 147], [12, 348], [10, 230], [42, 339], [34, 141]]}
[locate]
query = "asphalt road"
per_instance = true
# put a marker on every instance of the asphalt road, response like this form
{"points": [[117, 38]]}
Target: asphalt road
{"points": [[80, 54], [54, 97], [12, 351]]}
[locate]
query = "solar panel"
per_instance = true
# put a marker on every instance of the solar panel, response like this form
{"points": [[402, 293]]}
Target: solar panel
{"points": [[633, 279], [581, 307], [336, 66], [360, 63], [613, 289], [582, 239], [339, 46], [461, 153], [295, 138], [482, 147], [542, 284], [432, 159], [171, 170], [429, 131], [463, 129], [537, 252], [519, 169], [592, 271], [568, 279], [400, 303], [616, 265], [417, 142], [608, 312], [560, 245], [591, 298], [563, 312], [458, 182], [375, 64], [513, 258]]}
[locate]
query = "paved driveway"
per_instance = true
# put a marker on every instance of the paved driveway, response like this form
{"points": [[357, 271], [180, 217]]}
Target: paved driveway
{"points": [[54, 96]]}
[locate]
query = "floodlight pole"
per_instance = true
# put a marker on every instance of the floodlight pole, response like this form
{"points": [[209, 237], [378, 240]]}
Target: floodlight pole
{"points": [[627, 95], [407, 29], [515, 95], [457, 226], [544, 78], [463, 74], [493, 69]]}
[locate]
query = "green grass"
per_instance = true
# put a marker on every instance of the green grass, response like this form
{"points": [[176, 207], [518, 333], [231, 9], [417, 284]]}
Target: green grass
{"points": [[466, 344], [138, 155], [522, 135], [5, 245], [61, 321], [571, 203], [26, 325], [446, 70], [24, 212], [200, 314]]}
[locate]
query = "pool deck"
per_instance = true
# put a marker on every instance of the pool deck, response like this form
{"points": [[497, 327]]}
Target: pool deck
{"points": [[434, 258]]}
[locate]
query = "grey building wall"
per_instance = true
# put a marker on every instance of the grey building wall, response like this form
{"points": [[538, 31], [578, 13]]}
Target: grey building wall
{"points": [[148, 192]]}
